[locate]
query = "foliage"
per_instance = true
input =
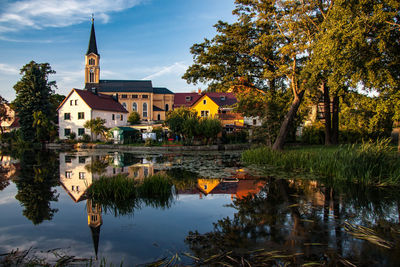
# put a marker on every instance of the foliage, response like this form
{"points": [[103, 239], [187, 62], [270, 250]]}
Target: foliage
{"points": [[85, 138], [37, 178], [149, 142], [96, 126], [45, 129], [158, 131], [369, 163], [122, 195], [176, 118], [33, 93], [3, 112], [72, 136], [134, 118], [210, 128], [236, 137], [313, 134]]}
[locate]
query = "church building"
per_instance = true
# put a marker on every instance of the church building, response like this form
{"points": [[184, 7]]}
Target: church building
{"points": [[150, 102]]}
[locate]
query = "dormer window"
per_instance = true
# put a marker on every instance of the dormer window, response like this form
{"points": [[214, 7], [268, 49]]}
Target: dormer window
{"points": [[188, 98], [223, 98]]}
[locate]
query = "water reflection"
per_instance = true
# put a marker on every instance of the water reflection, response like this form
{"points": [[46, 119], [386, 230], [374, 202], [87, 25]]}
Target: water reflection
{"points": [[303, 220]]}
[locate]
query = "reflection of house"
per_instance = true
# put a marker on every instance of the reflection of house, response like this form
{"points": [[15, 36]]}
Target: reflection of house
{"points": [[8, 168], [12, 121]]}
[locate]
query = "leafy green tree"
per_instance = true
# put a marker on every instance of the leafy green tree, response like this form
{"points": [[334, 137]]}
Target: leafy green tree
{"points": [[97, 127], [33, 93], [176, 118], [3, 112], [43, 126], [55, 100], [210, 128], [134, 118]]}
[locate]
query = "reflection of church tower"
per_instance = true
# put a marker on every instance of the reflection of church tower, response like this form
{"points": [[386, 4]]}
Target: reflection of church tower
{"points": [[94, 221], [92, 61]]}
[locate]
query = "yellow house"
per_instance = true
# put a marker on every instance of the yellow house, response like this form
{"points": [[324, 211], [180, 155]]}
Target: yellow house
{"points": [[219, 106], [207, 185]]}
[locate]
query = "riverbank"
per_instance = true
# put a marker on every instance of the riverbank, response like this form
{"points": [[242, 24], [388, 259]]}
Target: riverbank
{"points": [[374, 163], [127, 148]]}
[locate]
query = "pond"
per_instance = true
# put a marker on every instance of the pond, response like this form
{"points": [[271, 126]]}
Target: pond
{"points": [[216, 208]]}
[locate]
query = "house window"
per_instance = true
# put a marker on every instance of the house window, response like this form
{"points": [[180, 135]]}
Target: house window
{"points": [[188, 98], [134, 106], [204, 113], [145, 171], [67, 116], [124, 104], [81, 131], [204, 102], [76, 102], [68, 174], [254, 121], [122, 117], [134, 96], [82, 159], [158, 117], [67, 132], [81, 115], [124, 96], [144, 110], [166, 107], [81, 175], [113, 117], [145, 96], [71, 102]]}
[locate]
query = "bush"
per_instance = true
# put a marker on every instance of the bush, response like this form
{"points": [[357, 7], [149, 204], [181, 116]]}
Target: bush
{"points": [[72, 136], [236, 137], [313, 135], [85, 138], [134, 118], [148, 142]]}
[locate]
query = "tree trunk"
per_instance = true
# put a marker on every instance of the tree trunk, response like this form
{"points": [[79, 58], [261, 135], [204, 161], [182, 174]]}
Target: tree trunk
{"points": [[285, 127], [335, 120], [327, 115]]}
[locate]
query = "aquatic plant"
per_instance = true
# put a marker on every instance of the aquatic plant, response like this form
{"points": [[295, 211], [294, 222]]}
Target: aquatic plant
{"points": [[156, 191], [368, 163]]}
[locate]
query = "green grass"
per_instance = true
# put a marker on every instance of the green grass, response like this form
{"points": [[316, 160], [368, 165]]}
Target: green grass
{"points": [[373, 163], [121, 195]]}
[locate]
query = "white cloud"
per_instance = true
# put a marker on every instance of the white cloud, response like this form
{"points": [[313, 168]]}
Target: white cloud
{"points": [[178, 68], [39, 14], [8, 69]]}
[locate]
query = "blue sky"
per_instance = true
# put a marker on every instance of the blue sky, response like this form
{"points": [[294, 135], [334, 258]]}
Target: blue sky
{"points": [[136, 39]]}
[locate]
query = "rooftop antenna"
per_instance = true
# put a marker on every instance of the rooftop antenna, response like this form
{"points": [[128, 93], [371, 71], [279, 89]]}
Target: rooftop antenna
{"points": [[92, 18]]}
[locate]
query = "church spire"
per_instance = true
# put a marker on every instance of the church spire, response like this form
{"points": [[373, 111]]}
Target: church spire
{"points": [[92, 48]]}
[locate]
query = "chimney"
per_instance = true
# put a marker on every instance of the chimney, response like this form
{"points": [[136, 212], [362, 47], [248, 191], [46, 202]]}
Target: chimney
{"points": [[199, 91]]}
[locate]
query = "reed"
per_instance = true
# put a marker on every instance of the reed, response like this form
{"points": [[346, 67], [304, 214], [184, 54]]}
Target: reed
{"points": [[369, 163]]}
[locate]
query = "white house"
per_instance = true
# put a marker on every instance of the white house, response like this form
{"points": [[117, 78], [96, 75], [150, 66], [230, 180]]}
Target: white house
{"points": [[82, 105]]}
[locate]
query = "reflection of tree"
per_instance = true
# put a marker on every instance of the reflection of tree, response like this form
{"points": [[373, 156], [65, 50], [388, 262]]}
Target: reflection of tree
{"points": [[37, 177], [282, 218], [182, 179], [98, 165]]}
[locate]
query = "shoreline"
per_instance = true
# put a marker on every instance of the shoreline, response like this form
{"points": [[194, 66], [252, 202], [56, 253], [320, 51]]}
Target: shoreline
{"points": [[228, 147]]}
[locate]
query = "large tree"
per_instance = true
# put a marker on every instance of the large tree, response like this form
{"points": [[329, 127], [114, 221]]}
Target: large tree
{"points": [[33, 94], [303, 46]]}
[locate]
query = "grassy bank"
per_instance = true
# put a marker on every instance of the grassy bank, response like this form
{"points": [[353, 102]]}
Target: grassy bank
{"points": [[374, 163]]}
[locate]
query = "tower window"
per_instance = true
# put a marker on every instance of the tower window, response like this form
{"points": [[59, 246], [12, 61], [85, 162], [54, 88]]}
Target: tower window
{"points": [[92, 61], [91, 76]]}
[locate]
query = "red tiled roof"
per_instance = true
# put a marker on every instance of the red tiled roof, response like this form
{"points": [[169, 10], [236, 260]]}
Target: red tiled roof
{"points": [[222, 99], [180, 99], [100, 101]]}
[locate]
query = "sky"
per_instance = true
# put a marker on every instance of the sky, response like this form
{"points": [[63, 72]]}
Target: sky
{"points": [[136, 39]]}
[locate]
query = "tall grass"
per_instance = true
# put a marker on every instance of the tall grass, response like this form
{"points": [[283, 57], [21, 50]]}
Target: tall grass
{"points": [[369, 163]]}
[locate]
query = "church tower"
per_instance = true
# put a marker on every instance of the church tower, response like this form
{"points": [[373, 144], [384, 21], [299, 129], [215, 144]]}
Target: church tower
{"points": [[92, 60], [94, 221]]}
